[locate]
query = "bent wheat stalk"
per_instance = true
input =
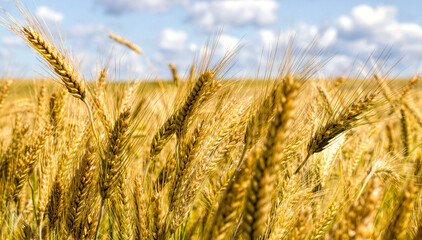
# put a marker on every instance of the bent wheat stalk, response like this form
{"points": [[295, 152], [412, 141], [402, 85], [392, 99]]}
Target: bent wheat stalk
{"points": [[59, 64]]}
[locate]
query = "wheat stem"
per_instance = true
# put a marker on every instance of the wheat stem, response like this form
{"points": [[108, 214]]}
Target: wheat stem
{"points": [[91, 120], [97, 229], [302, 164]]}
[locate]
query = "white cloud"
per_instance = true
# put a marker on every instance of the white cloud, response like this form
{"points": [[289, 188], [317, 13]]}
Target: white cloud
{"points": [[368, 28], [267, 37], [364, 31], [173, 40], [118, 7], [352, 36], [357, 34], [328, 37], [364, 15], [227, 43], [48, 14], [174, 47], [377, 24], [211, 15]]}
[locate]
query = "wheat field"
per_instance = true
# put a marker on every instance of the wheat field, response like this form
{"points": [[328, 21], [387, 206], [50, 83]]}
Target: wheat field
{"points": [[286, 156]]}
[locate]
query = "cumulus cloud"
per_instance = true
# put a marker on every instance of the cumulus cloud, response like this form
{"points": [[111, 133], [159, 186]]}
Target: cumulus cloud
{"points": [[48, 14], [355, 36], [172, 40], [365, 18], [378, 26], [369, 28], [346, 39], [267, 37], [227, 43], [214, 14], [118, 7], [174, 47]]}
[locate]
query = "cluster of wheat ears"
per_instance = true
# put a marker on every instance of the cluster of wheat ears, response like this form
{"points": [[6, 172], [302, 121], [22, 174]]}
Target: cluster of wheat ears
{"points": [[285, 157]]}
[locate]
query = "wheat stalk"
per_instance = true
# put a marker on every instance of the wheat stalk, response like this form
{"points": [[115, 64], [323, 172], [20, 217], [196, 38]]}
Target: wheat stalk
{"points": [[175, 75]]}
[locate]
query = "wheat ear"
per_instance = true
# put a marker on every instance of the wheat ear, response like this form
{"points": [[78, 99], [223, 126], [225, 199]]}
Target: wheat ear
{"points": [[349, 118], [176, 123], [113, 163], [231, 201], [63, 68], [43, 191], [141, 213], [325, 222], [125, 42], [258, 201], [27, 163], [398, 226], [82, 183], [55, 203], [4, 90]]}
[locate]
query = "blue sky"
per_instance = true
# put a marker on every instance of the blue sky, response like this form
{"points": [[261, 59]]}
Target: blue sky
{"points": [[174, 30]]}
